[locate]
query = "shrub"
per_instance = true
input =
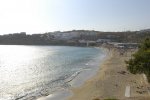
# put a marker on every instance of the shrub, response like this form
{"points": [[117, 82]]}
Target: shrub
{"points": [[140, 62]]}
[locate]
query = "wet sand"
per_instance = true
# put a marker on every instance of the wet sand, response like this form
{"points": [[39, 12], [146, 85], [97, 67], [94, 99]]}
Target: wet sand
{"points": [[112, 80]]}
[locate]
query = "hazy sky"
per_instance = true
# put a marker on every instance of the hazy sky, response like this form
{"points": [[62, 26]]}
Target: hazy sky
{"points": [[33, 16]]}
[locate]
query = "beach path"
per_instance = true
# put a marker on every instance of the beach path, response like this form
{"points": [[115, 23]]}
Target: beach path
{"points": [[127, 91]]}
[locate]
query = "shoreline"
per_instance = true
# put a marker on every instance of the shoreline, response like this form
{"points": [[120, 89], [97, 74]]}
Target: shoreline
{"points": [[87, 74], [77, 90], [80, 79], [111, 81]]}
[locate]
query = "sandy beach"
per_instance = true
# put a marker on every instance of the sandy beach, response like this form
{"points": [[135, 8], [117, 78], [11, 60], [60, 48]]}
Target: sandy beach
{"points": [[113, 81]]}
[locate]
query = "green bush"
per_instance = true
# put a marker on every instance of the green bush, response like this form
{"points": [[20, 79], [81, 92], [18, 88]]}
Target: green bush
{"points": [[140, 61]]}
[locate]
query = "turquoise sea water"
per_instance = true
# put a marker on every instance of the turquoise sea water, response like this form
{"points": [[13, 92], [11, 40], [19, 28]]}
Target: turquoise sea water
{"points": [[28, 72]]}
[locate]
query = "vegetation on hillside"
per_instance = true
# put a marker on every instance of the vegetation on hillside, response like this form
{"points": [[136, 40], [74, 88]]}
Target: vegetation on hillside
{"points": [[140, 61]]}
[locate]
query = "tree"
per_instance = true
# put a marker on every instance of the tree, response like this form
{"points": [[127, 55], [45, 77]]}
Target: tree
{"points": [[140, 62]]}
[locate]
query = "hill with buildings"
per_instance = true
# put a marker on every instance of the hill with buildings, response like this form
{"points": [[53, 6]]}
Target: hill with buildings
{"points": [[74, 37]]}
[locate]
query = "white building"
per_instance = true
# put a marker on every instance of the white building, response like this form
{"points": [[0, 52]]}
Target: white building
{"points": [[65, 35]]}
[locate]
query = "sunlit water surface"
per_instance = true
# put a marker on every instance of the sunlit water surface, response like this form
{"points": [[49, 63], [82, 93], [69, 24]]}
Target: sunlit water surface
{"points": [[33, 71]]}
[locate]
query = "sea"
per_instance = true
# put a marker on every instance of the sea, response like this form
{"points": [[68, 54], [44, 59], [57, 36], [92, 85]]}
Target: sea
{"points": [[30, 72]]}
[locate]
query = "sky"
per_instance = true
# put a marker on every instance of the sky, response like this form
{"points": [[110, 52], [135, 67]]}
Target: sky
{"points": [[37, 16]]}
